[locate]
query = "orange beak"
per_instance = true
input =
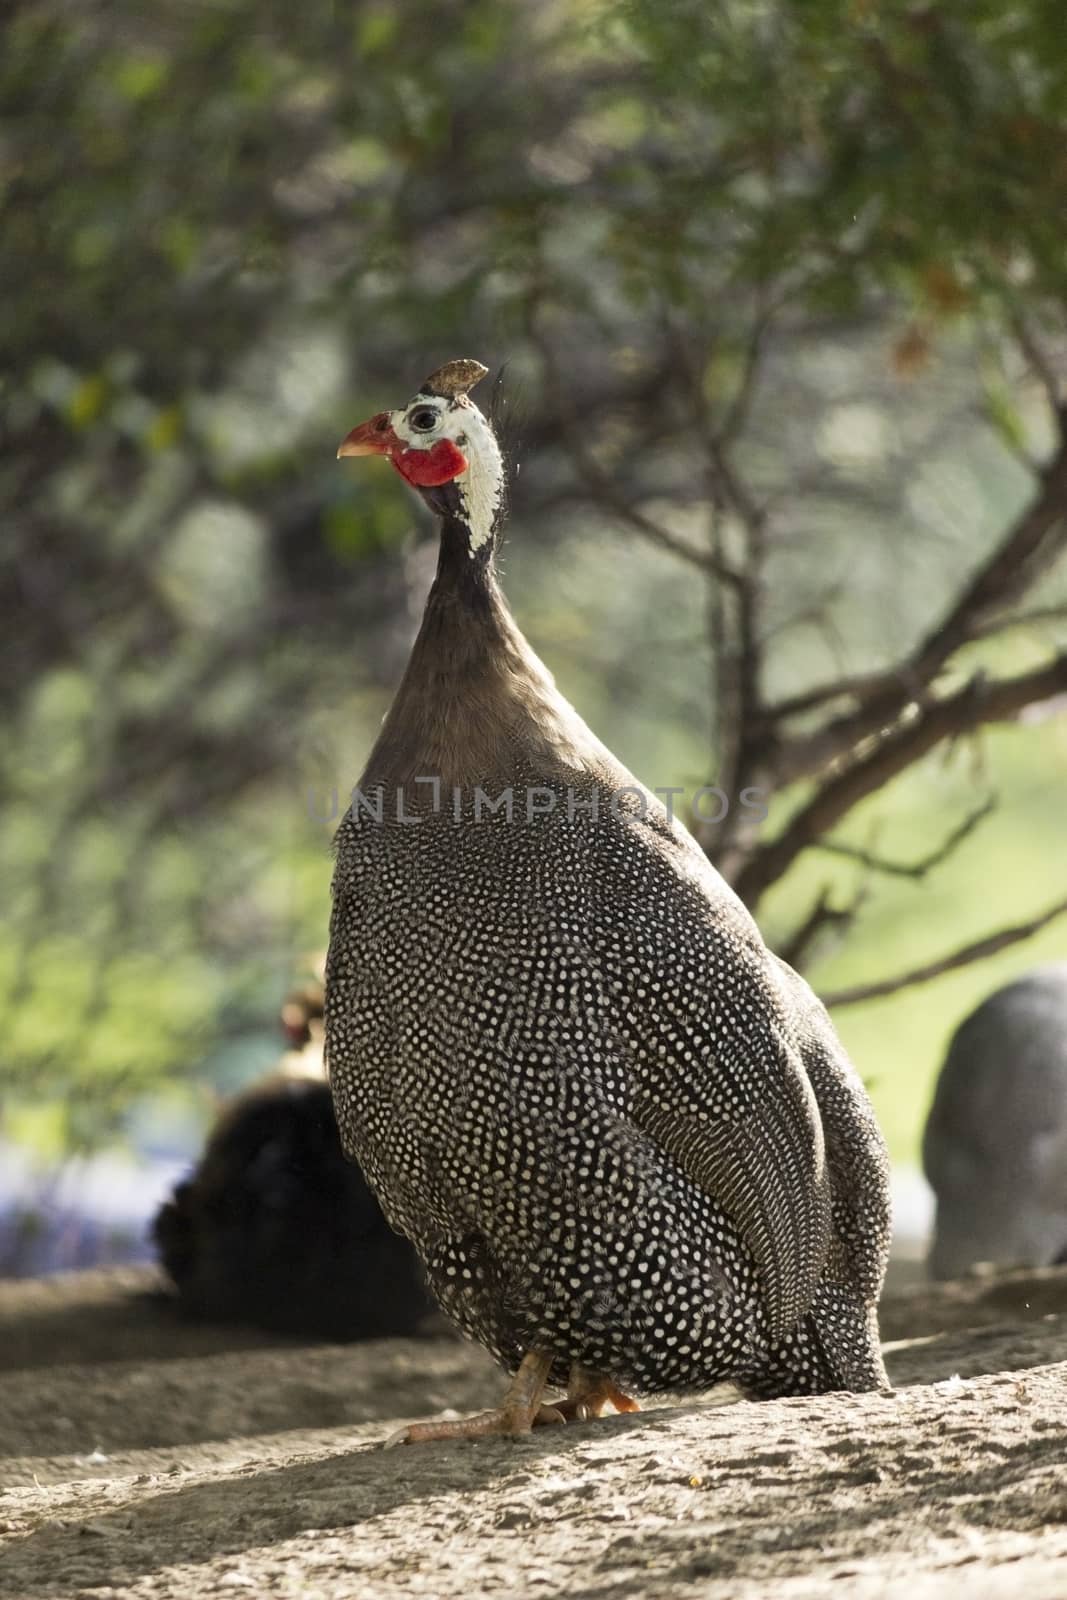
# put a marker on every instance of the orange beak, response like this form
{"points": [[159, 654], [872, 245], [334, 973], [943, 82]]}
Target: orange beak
{"points": [[373, 438]]}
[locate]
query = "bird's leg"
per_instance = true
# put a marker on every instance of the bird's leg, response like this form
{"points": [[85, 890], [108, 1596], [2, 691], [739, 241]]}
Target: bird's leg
{"points": [[520, 1408], [587, 1395]]}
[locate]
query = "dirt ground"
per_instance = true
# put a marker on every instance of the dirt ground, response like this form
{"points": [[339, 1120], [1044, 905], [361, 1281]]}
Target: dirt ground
{"points": [[139, 1457]]}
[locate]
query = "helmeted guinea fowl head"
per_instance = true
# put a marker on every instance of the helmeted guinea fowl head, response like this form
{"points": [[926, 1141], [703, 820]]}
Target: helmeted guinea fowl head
{"points": [[443, 446]]}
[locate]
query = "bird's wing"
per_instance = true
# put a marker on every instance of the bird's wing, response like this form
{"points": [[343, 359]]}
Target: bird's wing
{"points": [[716, 1048], [856, 1154], [723, 1092]]}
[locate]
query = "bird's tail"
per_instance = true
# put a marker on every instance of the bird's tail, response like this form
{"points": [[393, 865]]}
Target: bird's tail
{"points": [[835, 1346]]}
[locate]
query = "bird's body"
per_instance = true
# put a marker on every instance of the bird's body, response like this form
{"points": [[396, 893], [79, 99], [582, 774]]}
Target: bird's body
{"points": [[276, 1230], [273, 1227], [618, 1132], [995, 1145]]}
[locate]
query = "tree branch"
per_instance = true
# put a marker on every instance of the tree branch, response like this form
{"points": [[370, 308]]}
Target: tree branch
{"points": [[737, 411], [823, 914], [1025, 551], [1041, 367], [978, 702], [913, 869], [1022, 619], [741, 697], [964, 957], [600, 485], [795, 705]]}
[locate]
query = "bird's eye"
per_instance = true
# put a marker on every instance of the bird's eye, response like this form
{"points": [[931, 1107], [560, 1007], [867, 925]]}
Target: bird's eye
{"points": [[423, 419]]}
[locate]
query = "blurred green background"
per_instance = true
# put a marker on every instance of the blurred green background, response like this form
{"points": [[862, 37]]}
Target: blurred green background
{"points": [[230, 231]]}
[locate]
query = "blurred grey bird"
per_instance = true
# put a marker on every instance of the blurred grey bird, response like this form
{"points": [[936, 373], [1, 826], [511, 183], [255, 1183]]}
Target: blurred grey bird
{"points": [[995, 1145]]}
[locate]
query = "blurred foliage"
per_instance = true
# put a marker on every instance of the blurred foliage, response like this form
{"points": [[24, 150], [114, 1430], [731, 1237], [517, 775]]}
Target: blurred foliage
{"points": [[228, 230]]}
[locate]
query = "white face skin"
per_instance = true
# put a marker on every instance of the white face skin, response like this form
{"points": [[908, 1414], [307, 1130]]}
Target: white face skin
{"points": [[426, 421]]}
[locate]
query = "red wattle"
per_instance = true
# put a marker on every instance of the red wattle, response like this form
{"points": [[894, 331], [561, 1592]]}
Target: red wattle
{"points": [[427, 468]]}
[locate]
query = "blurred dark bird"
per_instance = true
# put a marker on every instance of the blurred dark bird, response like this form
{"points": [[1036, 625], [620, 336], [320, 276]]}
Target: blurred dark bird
{"points": [[995, 1146], [623, 1137], [275, 1228]]}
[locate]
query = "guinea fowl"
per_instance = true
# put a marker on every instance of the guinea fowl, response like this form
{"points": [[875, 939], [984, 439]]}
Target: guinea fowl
{"points": [[995, 1145], [623, 1137], [274, 1228]]}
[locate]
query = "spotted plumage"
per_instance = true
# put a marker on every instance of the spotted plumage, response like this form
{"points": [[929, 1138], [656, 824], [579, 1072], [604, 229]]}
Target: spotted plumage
{"points": [[617, 1130]]}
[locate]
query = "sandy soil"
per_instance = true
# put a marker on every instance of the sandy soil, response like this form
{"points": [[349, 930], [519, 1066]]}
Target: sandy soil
{"points": [[143, 1458]]}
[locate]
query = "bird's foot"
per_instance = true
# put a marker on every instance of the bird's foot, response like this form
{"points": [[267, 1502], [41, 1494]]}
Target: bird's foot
{"points": [[587, 1395], [519, 1412]]}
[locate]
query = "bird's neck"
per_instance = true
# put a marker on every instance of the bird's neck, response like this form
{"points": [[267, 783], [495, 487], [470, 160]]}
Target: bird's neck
{"points": [[471, 506], [466, 572], [475, 704]]}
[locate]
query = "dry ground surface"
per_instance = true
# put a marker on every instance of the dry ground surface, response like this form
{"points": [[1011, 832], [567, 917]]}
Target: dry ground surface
{"points": [[143, 1458]]}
